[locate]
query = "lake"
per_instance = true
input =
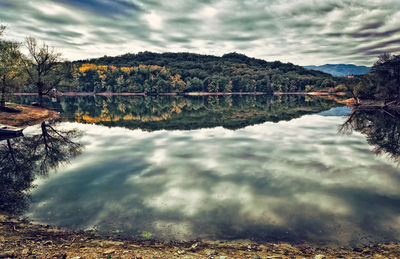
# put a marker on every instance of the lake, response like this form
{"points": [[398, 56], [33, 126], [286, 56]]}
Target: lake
{"points": [[300, 169]]}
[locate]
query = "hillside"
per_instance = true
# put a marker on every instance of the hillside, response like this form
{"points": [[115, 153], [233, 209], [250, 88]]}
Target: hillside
{"points": [[186, 72], [341, 69]]}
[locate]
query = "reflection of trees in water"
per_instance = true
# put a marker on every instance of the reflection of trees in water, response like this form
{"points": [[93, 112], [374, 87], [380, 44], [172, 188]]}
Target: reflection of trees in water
{"points": [[190, 112], [381, 128], [24, 158]]}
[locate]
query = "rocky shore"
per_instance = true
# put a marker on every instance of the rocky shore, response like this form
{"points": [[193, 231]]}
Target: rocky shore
{"points": [[20, 238]]}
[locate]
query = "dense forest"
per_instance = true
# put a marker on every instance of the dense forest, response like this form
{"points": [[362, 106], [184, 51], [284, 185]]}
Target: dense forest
{"points": [[381, 84], [186, 72]]}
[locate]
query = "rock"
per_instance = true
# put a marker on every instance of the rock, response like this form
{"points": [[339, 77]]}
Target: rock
{"points": [[223, 257], [210, 252], [113, 243], [194, 246], [47, 243], [255, 256], [76, 257], [6, 254], [109, 251], [181, 252], [319, 256], [357, 249]]}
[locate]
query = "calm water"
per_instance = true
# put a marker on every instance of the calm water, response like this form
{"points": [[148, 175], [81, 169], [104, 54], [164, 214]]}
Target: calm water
{"points": [[260, 168]]}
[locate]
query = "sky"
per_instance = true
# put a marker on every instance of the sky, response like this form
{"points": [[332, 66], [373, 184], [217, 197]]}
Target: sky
{"points": [[303, 32]]}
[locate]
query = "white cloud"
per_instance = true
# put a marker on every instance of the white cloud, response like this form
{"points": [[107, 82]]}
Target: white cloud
{"points": [[301, 32]]}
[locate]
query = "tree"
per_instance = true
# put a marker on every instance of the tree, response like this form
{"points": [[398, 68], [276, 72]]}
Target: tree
{"points": [[10, 69], [386, 75], [195, 84], [43, 67]]}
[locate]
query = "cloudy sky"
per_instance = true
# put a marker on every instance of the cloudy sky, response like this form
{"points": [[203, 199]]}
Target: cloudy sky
{"points": [[302, 32]]}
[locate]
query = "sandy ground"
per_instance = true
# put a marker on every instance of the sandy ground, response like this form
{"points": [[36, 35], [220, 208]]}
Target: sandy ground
{"points": [[28, 116], [21, 239]]}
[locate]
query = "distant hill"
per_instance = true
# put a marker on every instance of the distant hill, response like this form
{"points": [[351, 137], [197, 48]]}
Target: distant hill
{"points": [[341, 69]]}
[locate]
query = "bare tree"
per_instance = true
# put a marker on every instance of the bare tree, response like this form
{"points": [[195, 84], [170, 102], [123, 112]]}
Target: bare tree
{"points": [[43, 67]]}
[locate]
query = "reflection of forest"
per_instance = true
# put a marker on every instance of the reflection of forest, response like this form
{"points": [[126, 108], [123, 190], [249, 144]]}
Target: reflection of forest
{"points": [[22, 159], [178, 112], [381, 128]]}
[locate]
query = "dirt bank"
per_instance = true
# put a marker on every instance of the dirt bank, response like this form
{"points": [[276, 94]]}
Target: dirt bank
{"points": [[22, 239], [27, 116]]}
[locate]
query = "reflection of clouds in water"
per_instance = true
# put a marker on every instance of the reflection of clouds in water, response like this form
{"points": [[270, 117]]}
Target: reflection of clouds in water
{"points": [[296, 181]]}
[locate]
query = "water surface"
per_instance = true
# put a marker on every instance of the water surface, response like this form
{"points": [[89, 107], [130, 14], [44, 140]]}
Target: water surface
{"points": [[280, 174]]}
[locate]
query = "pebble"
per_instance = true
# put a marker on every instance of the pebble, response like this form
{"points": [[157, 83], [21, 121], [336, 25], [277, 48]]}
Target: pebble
{"points": [[210, 252], [319, 257], [110, 251], [115, 243], [181, 252], [194, 246]]}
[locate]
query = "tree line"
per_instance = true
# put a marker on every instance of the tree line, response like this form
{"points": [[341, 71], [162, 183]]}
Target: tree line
{"points": [[43, 69], [154, 73], [382, 83]]}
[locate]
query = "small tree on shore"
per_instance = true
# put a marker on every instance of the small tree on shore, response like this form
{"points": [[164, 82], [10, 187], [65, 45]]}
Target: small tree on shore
{"points": [[11, 75], [43, 67]]}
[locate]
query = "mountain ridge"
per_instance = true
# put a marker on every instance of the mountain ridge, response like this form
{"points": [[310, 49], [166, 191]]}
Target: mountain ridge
{"points": [[340, 69]]}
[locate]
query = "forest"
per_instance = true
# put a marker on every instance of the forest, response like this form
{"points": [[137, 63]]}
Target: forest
{"points": [[186, 72], [381, 84]]}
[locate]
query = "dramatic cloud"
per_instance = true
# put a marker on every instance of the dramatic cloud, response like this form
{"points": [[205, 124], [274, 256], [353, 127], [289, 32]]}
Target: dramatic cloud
{"points": [[302, 32]]}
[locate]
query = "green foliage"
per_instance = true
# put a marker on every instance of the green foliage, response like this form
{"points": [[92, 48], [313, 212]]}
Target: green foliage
{"points": [[146, 235], [383, 82], [186, 72], [11, 72]]}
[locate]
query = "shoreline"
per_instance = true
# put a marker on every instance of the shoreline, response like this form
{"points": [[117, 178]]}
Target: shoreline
{"points": [[369, 104], [184, 93], [21, 238], [28, 115]]}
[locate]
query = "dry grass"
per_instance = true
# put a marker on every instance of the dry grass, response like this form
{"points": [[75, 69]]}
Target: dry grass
{"points": [[28, 116]]}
